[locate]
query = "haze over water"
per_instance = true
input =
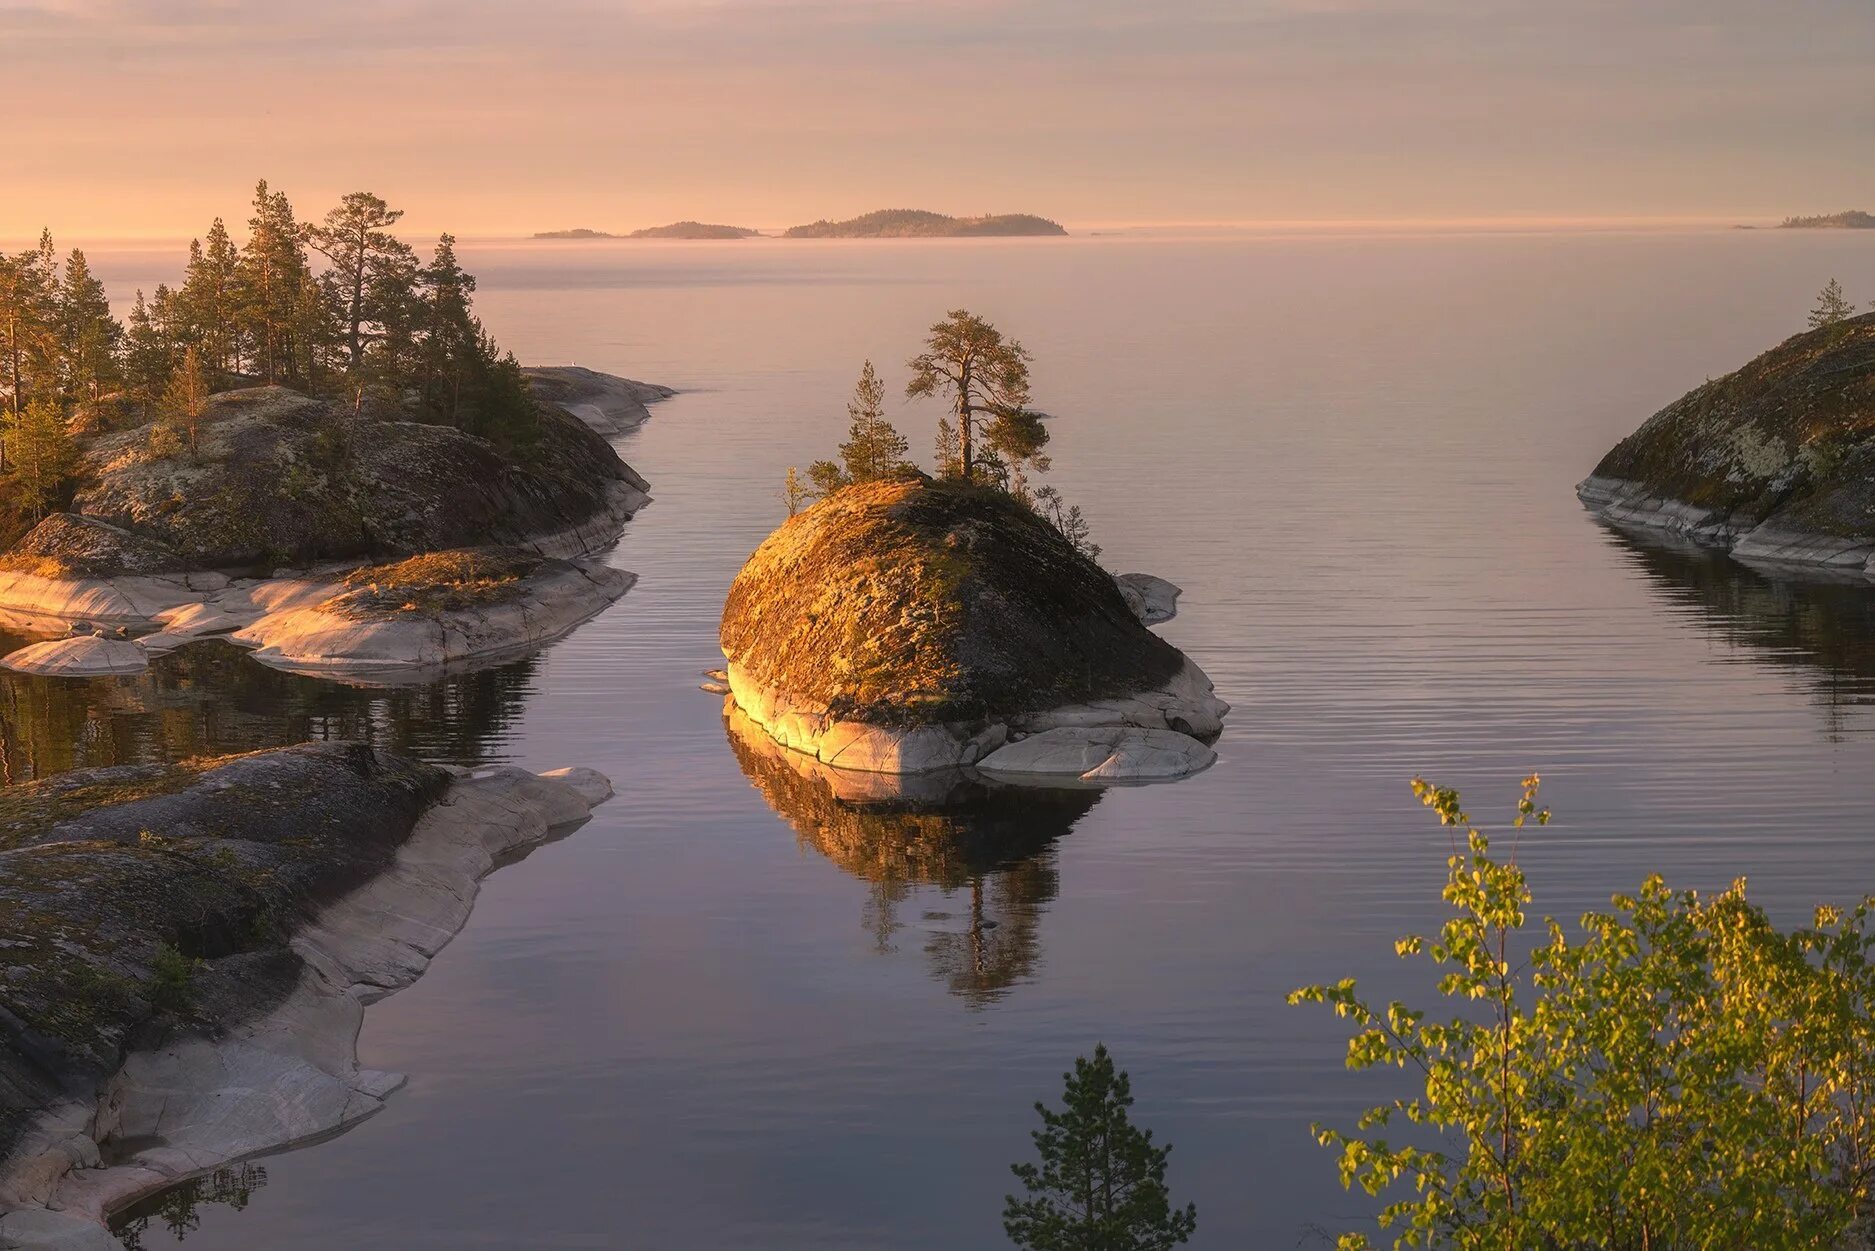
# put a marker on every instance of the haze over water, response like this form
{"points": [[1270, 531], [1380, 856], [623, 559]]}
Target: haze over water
{"points": [[687, 1026]]}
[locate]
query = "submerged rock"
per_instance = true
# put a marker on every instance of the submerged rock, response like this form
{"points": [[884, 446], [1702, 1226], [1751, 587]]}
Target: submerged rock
{"points": [[1102, 753], [82, 656], [191, 948], [913, 625], [1775, 461]]}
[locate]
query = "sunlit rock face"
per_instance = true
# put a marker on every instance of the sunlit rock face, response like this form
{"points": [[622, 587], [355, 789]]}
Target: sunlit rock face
{"points": [[1775, 461], [915, 625]]}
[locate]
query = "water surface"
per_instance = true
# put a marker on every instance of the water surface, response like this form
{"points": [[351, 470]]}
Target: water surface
{"points": [[731, 1012]]}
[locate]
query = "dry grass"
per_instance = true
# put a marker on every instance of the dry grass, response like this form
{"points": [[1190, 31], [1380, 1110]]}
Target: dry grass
{"points": [[436, 582], [38, 566]]}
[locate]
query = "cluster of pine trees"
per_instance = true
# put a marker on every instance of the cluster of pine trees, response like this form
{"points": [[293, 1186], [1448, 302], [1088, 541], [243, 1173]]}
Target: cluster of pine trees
{"points": [[341, 308], [997, 440]]}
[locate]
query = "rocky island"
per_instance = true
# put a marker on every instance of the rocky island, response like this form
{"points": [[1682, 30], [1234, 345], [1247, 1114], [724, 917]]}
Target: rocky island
{"points": [[578, 232], [1851, 219], [1775, 461], [191, 949], [330, 541], [910, 625], [921, 224], [695, 230]]}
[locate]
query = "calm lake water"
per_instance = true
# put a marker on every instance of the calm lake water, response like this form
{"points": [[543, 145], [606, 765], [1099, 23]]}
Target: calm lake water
{"points": [[727, 1014]]}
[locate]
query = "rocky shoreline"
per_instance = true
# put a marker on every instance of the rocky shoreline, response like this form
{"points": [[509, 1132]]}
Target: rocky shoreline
{"points": [[1771, 463], [120, 596], [265, 1056]]}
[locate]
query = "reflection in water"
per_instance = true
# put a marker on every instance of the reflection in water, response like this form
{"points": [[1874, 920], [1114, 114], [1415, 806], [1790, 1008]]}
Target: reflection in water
{"points": [[1821, 624], [210, 698], [953, 831], [176, 1211]]}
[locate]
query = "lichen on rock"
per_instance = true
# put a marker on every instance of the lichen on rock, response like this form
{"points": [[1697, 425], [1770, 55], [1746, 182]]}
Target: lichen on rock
{"points": [[914, 624], [1775, 461]]}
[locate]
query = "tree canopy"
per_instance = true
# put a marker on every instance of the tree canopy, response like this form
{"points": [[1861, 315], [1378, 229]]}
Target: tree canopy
{"points": [[1099, 1184], [1680, 1074]]}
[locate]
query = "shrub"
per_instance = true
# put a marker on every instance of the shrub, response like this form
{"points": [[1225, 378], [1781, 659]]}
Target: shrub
{"points": [[1680, 1074]]}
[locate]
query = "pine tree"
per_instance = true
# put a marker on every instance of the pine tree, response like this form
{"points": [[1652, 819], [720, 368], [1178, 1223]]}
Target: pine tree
{"points": [[185, 399], [88, 335], [373, 272], [209, 300], [944, 450], [448, 331], [28, 322], [42, 456], [272, 274], [1100, 1185], [873, 448], [1831, 308], [969, 361], [146, 366]]}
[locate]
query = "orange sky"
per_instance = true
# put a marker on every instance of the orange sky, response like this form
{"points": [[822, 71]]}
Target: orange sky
{"points": [[497, 116]]}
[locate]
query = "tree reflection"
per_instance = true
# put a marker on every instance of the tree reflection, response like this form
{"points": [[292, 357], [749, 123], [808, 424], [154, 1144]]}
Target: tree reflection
{"points": [[1818, 623], [177, 1211], [210, 698], [989, 845]]}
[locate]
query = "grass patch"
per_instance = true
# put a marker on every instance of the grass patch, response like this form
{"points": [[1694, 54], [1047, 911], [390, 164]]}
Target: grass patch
{"points": [[436, 582]]}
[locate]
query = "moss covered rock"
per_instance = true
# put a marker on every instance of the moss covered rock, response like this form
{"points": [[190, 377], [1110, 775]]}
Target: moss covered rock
{"points": [[1775, 460], [277, 477], [915, 624], [137, 898]]}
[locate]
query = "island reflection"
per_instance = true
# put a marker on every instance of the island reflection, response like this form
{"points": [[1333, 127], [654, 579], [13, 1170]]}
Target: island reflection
{"points": [[177, 1211], [210, 698], [1811, 621], [988, 845]]}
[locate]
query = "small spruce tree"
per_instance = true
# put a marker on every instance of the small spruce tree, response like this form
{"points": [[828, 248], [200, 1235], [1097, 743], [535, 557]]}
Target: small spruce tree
{"points": [[185, 399], [1831, 308], [1100, 1185], [873, 448], [42, 456]]}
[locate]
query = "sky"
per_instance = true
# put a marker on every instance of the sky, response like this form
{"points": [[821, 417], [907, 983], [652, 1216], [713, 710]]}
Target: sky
{"points": [[146, 119]]}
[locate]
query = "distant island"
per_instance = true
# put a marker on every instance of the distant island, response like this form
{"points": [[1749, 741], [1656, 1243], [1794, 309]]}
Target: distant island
{"points": [[676, 230], [695, 230], [1852, 219], [919, 224]]}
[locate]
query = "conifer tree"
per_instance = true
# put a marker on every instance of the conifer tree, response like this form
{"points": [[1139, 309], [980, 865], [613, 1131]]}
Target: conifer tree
{"points": [[271, 276], [373, 272], [1100, 1185], [873, 448], [42, 456], [185, 399], [1831, 308], [88, 335], [447, 329], [28, 321], [969, 361], [146, 360], [209, 300]]}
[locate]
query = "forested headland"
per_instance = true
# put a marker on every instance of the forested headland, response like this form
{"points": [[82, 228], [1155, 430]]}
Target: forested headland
{"points": [[340, 308]]}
